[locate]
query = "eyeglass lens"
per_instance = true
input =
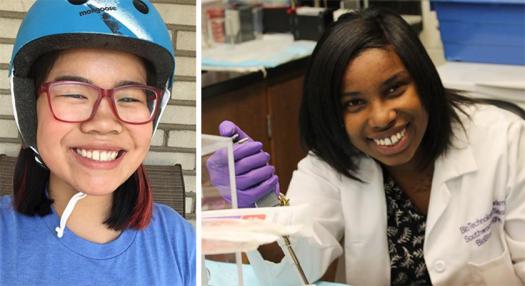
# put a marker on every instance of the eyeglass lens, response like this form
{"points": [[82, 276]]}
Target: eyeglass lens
{"points": [[75, 102]]}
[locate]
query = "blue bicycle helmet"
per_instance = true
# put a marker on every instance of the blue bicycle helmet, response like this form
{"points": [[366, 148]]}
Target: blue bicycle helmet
{"points": [[132, 26]]}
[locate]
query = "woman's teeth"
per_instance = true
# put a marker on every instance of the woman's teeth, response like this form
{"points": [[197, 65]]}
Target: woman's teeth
{"points": [[97, 155], [392, 140]]}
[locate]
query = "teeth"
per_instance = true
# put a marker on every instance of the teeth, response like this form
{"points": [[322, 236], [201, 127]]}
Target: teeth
{"points": [[394, 139], [97, 155], [391, 140]]}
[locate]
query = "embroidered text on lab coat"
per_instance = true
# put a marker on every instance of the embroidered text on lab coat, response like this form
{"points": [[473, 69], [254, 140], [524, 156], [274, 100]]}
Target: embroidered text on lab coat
{"points": [[480, 229]]}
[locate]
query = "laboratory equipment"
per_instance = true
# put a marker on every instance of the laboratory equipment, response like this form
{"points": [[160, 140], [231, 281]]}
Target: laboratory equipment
{"points": [[215, 24], [219, 197], [239, 23], [310, 23], [216, 197]]}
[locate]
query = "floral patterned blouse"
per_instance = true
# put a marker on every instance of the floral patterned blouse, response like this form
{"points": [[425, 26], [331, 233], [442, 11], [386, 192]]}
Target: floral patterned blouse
{"points": [[406, 234]]}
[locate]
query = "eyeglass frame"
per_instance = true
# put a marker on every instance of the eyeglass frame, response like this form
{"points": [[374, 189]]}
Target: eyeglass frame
{"points": [[102, 92]]}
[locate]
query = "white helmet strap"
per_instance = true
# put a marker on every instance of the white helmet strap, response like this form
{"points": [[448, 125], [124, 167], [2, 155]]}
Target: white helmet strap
{"points": [[165, 99], [67, 213]]}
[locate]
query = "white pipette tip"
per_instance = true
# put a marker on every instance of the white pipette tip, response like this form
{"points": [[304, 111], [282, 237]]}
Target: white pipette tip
{"points": [[242, 140]]}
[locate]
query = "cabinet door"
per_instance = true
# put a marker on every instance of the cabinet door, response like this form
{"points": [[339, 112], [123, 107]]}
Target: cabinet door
{"points": [[284, 100], [246, 107]]}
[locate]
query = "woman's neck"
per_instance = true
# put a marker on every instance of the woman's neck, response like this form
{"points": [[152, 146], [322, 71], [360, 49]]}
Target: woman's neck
{"points": [[89, 214], [411, 171], [415, 182], [419, 180]]}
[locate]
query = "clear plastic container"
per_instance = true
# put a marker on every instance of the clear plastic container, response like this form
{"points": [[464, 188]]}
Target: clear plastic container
{"points": [[216, 197], [258, 20]]}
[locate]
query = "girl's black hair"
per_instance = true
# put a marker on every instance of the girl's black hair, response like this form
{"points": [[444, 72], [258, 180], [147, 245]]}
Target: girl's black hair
{"points": [[30, 183], [321, 114]]}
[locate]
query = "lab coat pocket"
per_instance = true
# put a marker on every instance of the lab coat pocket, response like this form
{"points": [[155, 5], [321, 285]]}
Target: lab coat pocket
{"points": [[496, 271]]}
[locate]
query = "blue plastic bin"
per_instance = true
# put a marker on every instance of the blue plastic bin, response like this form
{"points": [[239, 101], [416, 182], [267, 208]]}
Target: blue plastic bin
{"points": [[485, 31]]}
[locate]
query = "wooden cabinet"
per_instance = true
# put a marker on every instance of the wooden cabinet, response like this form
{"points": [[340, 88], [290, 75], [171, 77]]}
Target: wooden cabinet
{"points": [[284, 101], [246, 107], [268, 110]]}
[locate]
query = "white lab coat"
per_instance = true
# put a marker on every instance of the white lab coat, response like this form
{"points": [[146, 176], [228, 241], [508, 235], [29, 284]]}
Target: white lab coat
{"points": [[475, 233]]}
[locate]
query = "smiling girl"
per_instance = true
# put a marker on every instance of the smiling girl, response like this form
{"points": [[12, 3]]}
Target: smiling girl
{"points": [[412, 184], [88, 92]]}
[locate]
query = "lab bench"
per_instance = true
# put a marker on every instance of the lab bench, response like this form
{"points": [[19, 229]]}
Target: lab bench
{"points": [[266, 107]]}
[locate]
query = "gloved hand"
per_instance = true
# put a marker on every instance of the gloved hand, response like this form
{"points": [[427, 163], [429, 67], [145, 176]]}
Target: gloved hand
{"points": [[254, 177]]}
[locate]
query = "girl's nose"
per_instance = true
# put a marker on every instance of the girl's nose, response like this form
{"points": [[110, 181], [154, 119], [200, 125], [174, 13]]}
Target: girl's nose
{"points": [[382, 116], [104, 121]]}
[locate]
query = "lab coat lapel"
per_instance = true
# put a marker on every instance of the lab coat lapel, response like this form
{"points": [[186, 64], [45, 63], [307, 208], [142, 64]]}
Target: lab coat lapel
{"points": [[368, 260], [455, 163]]}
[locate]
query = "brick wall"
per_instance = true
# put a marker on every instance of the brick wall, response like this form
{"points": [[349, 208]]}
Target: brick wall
{"points": [[174, 142]]}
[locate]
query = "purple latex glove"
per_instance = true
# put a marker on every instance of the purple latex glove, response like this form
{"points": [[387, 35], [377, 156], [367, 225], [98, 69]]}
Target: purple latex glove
{"points": [[254, 177]]}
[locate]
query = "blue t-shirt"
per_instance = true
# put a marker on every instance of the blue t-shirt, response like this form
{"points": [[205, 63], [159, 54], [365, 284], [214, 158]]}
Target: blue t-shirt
{"points": [[32, 254]]}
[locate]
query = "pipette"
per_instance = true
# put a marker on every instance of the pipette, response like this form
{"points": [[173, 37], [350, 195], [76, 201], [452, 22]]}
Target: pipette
{"points": [[273, 200]]}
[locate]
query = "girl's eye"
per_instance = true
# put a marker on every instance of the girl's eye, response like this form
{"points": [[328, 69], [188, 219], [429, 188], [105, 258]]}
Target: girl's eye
{"points": [[74, 96], [396, 89], [128, 100], [392, 89], [354, 105]]}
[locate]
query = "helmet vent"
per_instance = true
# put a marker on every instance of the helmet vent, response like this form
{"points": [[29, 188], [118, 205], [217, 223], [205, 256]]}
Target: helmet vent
{"points": [[141, 6], [77, 2]]}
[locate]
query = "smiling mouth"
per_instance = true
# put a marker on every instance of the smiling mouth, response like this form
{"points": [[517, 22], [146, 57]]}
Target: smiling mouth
{"points": [[393, 144], [99, 155], [391, 140]]}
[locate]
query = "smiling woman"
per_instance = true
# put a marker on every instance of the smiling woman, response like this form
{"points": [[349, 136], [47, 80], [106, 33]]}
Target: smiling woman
{"points": [[100, 131], [409, 183], [78, 154], [88, 97], [383, 114]]}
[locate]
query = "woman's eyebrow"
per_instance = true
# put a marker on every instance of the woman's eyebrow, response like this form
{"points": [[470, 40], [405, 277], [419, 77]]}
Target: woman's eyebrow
{"points": [[73, 78], [350, 94], [82, 79], [387, 83], [393, 78], [128, 82]]}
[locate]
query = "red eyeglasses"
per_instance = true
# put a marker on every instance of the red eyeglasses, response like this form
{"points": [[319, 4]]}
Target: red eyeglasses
{"points": [[74, 102]]}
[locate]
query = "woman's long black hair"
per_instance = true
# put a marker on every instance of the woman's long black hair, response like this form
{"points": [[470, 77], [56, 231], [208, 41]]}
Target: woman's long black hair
{"points": [[321, 114]]}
